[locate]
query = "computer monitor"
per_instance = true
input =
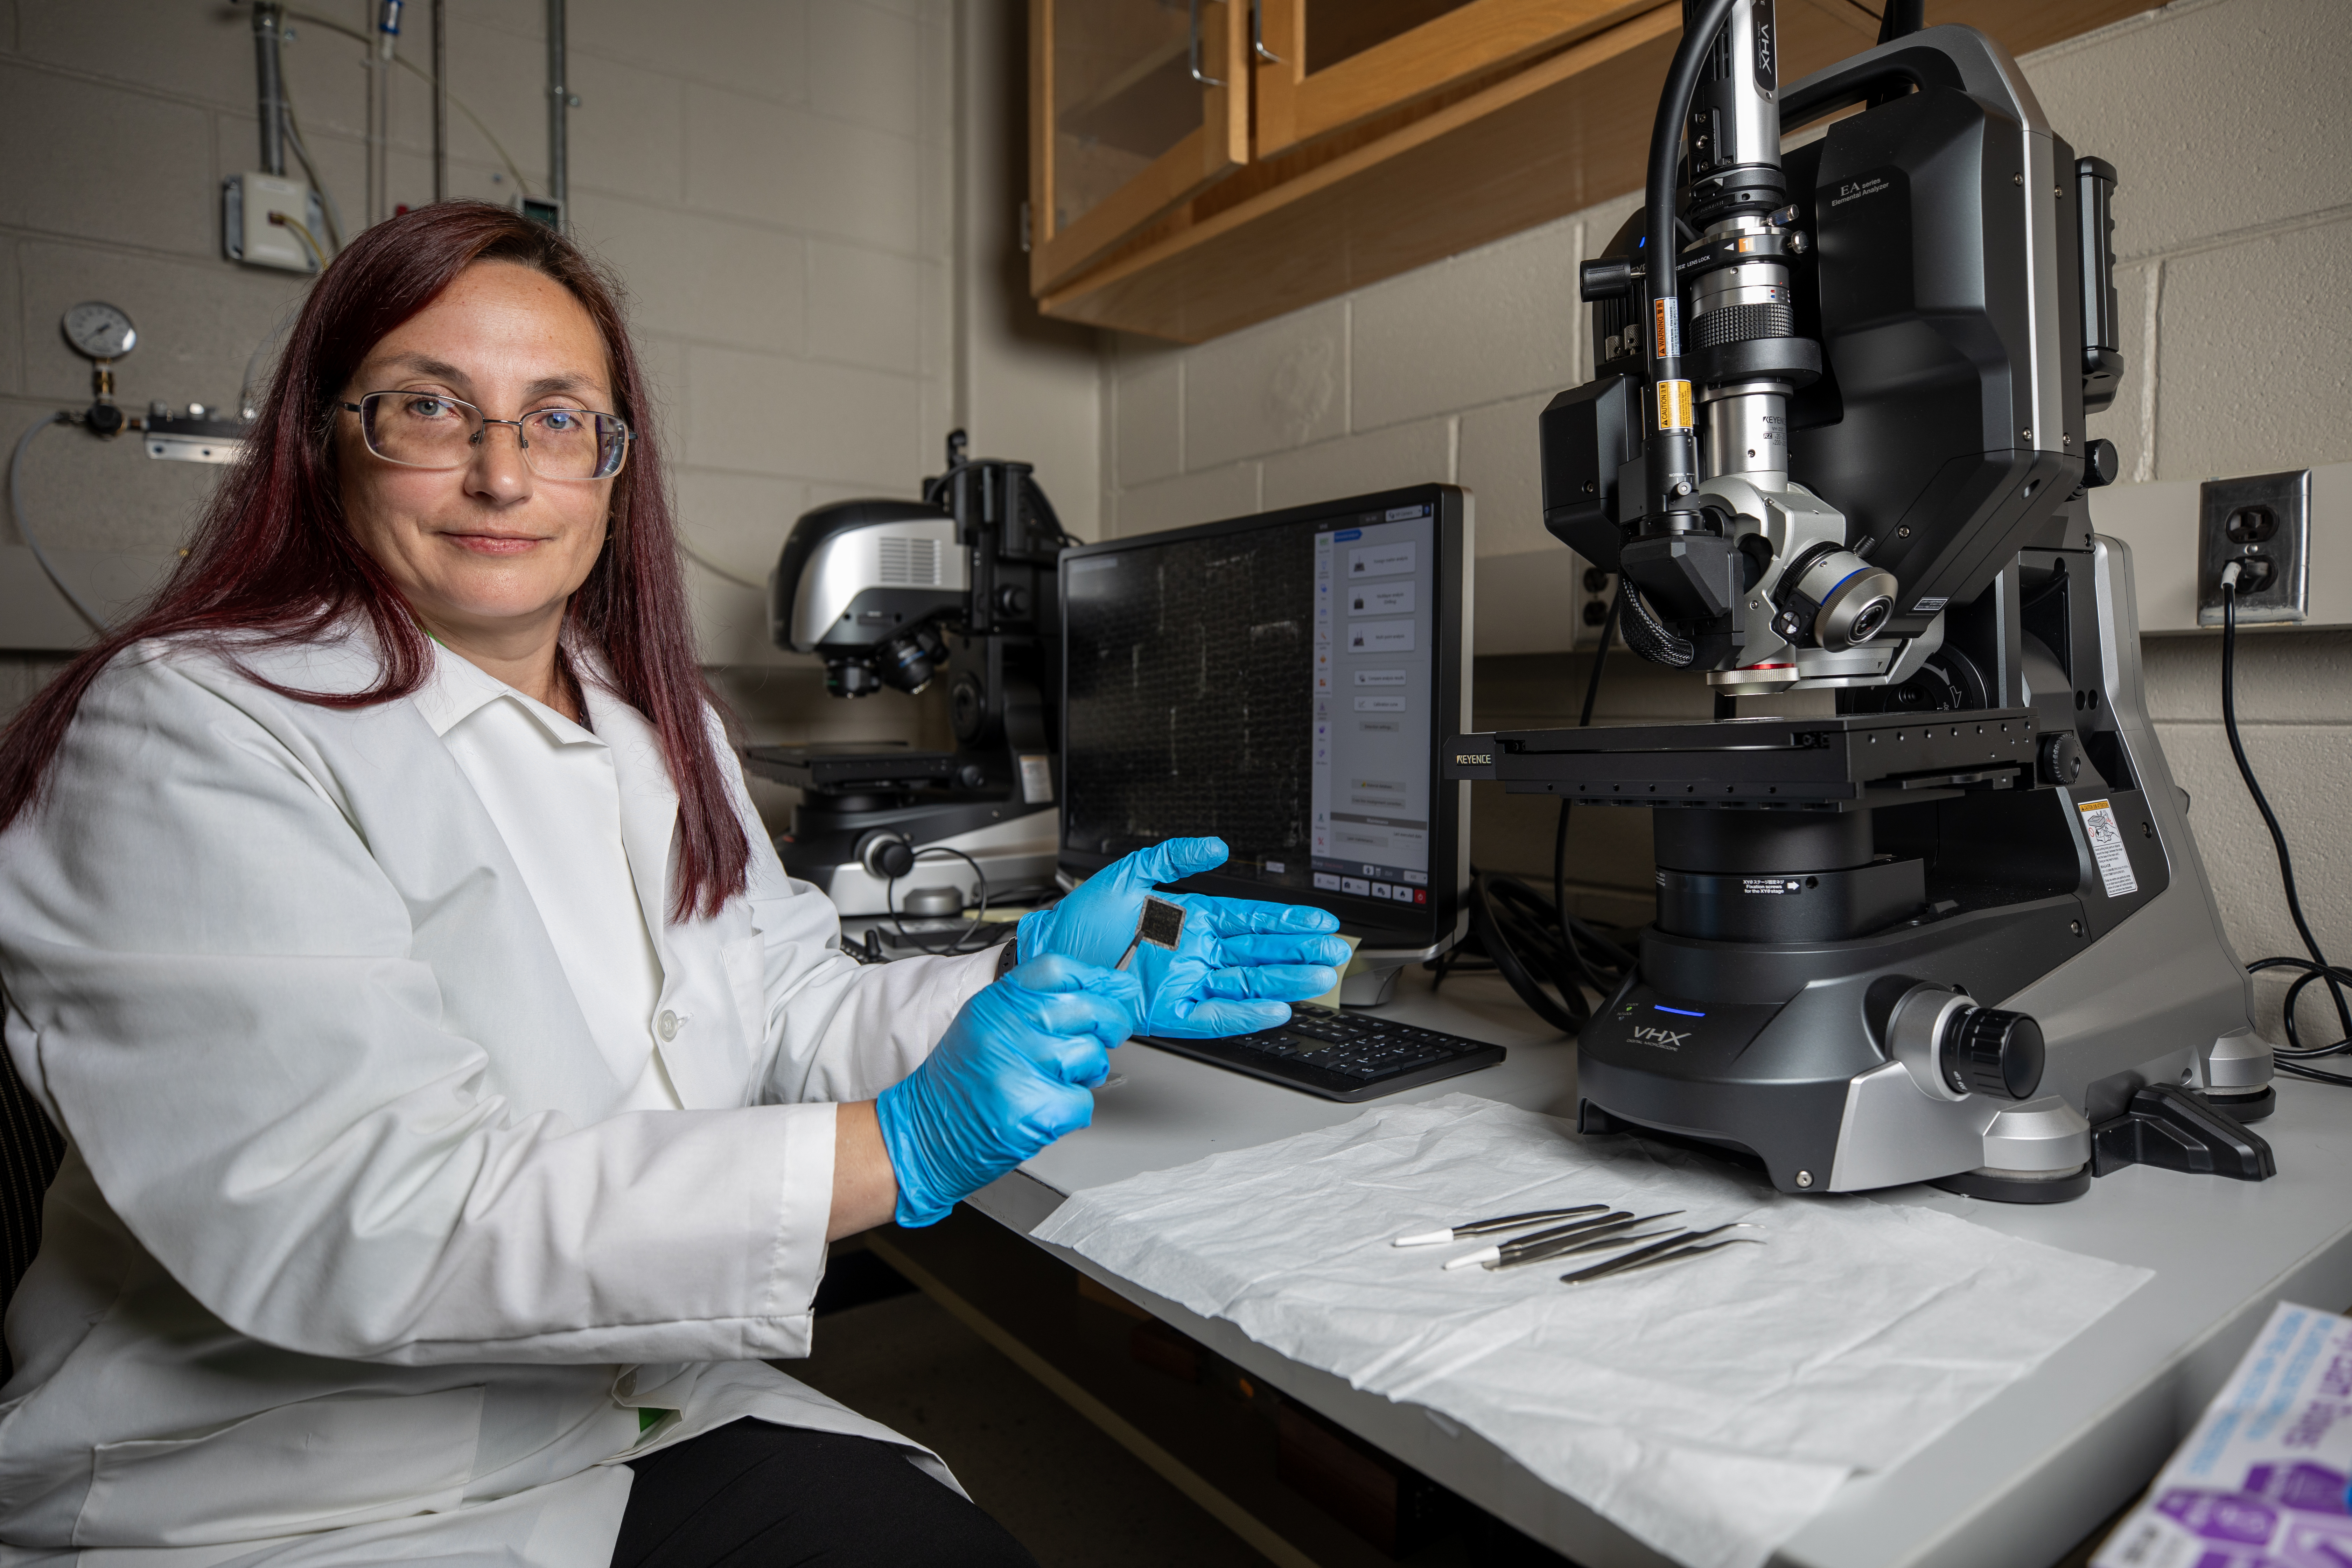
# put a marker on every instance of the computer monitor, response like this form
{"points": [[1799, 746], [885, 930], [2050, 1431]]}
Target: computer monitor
{"points": [[1283, 681]]}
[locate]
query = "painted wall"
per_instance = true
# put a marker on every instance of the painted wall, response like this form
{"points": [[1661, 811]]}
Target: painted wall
{"points": [[812, 239], [2233, 229]]}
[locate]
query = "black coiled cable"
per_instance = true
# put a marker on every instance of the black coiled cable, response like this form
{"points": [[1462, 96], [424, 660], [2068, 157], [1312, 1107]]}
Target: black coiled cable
{"points": [[1648, 636]]}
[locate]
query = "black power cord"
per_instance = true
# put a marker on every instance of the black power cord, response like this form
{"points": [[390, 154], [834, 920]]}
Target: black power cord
{"points": [[2294, 1055], [956, 944]]}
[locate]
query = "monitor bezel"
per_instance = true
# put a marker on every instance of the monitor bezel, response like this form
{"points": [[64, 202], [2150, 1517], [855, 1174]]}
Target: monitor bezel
{"points": [[1387, 930]]}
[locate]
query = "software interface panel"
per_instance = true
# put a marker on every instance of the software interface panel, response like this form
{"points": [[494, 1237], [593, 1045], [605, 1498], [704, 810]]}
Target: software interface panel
{"points": [[1272, 686], [1374, 609]]}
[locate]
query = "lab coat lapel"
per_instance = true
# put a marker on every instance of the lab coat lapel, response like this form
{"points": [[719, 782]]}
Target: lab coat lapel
{"points": [[648, 811], [471, 912], [702, 1069]]}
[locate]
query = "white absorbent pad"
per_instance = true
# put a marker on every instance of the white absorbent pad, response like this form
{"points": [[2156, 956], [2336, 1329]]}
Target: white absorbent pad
{"points": [[1707, 1408]]}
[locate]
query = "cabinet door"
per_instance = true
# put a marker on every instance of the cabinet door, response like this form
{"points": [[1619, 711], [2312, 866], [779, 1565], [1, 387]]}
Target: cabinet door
{"points": [[1325, 65], [1135, 106]]}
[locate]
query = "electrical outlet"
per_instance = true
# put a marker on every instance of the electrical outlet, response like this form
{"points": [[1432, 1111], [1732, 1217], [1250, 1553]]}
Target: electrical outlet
{"points": [[2263, 521]]}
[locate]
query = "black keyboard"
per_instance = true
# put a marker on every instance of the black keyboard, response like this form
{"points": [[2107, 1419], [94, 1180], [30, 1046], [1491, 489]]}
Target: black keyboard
{"points": [[1340, 1055]]}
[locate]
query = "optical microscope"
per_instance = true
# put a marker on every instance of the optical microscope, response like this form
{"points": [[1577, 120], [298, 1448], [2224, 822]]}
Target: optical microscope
{"points": [[1949, 923], [893, 593]]}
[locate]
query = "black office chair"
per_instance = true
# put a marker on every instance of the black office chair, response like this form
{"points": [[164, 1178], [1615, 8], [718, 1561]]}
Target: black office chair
{"points": [[30, 1149]]}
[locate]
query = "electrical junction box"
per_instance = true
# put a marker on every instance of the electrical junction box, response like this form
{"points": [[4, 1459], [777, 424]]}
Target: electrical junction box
{"points": [[249, 200]]}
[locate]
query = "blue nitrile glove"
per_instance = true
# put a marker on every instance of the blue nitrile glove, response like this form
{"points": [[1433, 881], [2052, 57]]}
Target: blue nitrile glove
{"points": [[1008, 1077], [1239, 965], [1214, 984]]}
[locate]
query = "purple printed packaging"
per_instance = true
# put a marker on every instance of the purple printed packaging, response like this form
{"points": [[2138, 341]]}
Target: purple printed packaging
{"points": [[2261, 1482]]}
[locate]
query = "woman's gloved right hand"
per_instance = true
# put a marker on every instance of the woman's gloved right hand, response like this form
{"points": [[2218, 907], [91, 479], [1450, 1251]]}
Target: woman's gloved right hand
{"points": [[1010, 1076]]}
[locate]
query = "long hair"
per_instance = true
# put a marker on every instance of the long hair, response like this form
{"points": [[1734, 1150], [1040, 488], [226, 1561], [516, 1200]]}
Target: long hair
{"points": [[274, 554]]}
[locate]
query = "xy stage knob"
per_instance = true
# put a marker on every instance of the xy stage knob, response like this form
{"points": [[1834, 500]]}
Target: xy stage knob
{"points": [[1993, 1053], [2062, 758]]}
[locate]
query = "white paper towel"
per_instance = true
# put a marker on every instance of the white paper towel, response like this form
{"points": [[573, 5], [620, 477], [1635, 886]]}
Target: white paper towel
{"points": [[1708, 1408]]}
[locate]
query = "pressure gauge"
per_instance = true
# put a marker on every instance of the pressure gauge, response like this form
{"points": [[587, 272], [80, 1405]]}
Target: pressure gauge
{"points": [[100, 330]]}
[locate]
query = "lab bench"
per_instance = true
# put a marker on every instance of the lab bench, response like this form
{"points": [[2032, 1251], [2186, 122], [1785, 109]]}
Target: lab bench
{"points": [[2022, 1481]]}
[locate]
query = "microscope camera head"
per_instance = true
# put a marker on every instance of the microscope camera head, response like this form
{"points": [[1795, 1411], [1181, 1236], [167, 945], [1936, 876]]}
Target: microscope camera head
{"points": [[865, 584]]}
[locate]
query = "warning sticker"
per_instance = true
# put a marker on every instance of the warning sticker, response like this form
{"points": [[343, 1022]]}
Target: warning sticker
{"points": [[1673, 405], [2107, 836], [1668, 335], [1037, 779]]}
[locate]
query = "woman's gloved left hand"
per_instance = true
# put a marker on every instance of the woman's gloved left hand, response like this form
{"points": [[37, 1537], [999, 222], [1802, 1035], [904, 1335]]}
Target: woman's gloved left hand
{"points": [[1235, 970], [1009, 1076]]}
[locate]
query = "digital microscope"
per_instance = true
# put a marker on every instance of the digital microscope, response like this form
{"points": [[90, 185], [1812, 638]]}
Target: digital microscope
{"points": [[1947, 922], [894, 593]]}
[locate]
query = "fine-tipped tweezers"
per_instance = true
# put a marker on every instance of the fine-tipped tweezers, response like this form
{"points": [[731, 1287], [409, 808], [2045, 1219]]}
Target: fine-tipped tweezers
{"points": [[1551, 1244], [1499, 1223], [1672, 1250]]}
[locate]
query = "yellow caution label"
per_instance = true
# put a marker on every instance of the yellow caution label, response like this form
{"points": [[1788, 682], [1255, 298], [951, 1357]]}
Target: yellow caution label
{"points": [[1667, 329], [1674, 406]]}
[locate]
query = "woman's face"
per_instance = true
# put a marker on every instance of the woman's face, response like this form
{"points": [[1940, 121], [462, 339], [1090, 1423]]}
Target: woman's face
{"points": [[489, 549]]}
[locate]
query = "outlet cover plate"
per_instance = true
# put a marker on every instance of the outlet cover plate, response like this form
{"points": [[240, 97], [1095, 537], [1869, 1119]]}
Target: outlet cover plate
{"points": [[2278, 509]]}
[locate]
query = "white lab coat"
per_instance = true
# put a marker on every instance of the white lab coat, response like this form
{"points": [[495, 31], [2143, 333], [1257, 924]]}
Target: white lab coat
{"points": [[352, 1257]]}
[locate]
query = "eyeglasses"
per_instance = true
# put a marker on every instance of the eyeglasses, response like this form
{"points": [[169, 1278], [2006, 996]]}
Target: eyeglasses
{"points": [[429, 430]]}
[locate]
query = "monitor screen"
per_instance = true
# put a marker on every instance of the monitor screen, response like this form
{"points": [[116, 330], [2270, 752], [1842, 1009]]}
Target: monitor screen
{"points": [[1285, 682]]}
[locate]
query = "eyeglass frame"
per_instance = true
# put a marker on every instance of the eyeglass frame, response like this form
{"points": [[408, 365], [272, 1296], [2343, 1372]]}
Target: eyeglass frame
{"points": [[482, 428]]}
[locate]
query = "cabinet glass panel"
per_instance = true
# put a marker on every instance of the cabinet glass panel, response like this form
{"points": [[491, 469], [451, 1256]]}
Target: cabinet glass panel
{"points": [[1338, 29], [1123, 96]]}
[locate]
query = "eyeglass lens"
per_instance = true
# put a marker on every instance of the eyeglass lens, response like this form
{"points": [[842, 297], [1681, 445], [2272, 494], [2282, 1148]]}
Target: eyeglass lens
{"points": [[423, 431]]}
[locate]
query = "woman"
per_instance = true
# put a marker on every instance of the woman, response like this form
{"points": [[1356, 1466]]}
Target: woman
{"points": [[458, 1096]]}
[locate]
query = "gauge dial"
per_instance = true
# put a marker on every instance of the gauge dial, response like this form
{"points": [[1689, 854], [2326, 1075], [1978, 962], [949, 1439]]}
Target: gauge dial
{"points": [[100, 330]]}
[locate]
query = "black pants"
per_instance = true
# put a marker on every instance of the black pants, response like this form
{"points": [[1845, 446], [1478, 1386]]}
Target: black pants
{"points": [[752, 1495]]}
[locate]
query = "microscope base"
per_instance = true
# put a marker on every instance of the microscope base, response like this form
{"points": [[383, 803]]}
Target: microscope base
{"points": [[1014, 851]]}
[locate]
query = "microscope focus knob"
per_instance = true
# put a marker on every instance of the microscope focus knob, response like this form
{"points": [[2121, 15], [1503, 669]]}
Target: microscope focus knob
{"points": [[1993, 1053], [887, 855], [2062, 758]]}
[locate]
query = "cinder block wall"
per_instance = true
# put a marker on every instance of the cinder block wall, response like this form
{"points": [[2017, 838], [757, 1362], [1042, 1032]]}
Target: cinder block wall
{"points": [[2234, 241], [772, 180]]}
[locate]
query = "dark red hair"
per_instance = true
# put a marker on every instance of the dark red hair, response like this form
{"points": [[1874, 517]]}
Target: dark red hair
{"points": [[273, 552]]}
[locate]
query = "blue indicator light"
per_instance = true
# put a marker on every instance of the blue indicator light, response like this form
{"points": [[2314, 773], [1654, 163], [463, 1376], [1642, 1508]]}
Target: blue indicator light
{"points": [[1678, 1012]]}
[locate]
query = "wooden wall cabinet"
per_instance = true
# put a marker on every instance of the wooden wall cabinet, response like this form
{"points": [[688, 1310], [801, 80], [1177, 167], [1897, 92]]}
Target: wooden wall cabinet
{"points": [[1353, 140], [1135, 106], [1326, 65]]}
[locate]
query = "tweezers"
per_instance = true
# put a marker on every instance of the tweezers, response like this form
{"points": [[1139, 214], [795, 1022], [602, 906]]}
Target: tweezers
{"points": [[1672, 1250], [1541, 1237], [1602, 1244], [1489, 1226], [1558, 1243]]}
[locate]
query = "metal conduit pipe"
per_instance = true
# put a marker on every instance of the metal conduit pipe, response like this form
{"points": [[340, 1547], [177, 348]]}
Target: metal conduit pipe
{"points": [[440, 100], [268, 39], [559, 103]]}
